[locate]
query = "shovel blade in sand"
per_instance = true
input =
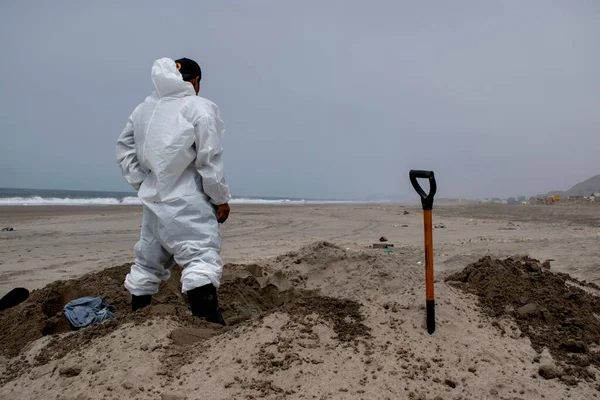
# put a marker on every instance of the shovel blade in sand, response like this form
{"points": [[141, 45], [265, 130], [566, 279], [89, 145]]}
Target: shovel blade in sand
{"points": [[13, 298]]}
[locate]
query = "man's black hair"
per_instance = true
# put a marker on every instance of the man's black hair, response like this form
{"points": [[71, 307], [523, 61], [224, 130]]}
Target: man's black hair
{"points": [[189, 69]]}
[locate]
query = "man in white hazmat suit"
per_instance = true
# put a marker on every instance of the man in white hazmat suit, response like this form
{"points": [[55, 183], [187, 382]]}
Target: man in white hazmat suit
{"points": [[170, 151]]}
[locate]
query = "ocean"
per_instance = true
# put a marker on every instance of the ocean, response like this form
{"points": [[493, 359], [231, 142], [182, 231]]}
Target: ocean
{"points": [[45, 197]]}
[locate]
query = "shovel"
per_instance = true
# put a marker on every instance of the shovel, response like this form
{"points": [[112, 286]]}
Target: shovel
{"points": [[427, 202]]}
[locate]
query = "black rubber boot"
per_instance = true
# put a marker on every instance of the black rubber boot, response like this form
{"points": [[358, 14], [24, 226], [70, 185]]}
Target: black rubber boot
{"points": [[205, 304], [138, 302], [13, 298]]}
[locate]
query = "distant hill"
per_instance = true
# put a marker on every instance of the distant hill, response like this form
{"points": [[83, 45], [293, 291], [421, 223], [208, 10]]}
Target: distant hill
{"points": [[585, 188]]}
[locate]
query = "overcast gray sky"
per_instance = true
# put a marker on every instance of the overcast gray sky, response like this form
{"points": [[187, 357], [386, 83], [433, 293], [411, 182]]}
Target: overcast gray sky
{"points": [[321, 99]]}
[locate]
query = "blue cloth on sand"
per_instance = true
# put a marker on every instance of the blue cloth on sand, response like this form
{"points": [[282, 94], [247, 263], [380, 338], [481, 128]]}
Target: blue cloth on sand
{"points": [[86, 311]]}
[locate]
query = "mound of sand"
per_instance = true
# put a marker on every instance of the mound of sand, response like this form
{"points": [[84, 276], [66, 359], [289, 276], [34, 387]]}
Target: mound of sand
{"points": [[554, 311], [322, 322]]}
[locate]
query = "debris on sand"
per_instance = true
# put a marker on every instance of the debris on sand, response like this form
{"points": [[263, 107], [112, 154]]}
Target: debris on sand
{"points": [[382, 245], [13, 298], [555, 311]]}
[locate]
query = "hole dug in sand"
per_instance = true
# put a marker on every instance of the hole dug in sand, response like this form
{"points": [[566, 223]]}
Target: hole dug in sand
{"points": [[246, 291]]}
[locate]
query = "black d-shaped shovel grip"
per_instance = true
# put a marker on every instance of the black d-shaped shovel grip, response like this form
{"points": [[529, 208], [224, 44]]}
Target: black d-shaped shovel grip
{"points": [[426, 198]]}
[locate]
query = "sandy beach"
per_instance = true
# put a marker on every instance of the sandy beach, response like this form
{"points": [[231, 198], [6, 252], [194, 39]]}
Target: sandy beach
{"points": [[319, 133], [62, 242], [314, 312]]}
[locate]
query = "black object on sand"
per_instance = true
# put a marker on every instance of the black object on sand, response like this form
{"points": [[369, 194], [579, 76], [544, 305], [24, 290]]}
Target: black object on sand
{"points": [[13, 298]]}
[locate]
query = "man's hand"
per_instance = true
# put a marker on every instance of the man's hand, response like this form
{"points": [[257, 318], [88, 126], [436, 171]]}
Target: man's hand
{"points": [[223, 213]]}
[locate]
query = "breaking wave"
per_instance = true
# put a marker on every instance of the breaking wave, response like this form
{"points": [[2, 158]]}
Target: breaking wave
{"points": [[55, 201], [113, 201]]}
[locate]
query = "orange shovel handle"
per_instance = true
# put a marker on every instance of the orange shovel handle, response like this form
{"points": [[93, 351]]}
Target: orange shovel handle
{"points": [[427, 202]]}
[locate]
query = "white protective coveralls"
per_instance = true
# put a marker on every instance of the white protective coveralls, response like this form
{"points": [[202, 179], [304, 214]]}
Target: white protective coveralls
{"points": [[170, 150]]}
